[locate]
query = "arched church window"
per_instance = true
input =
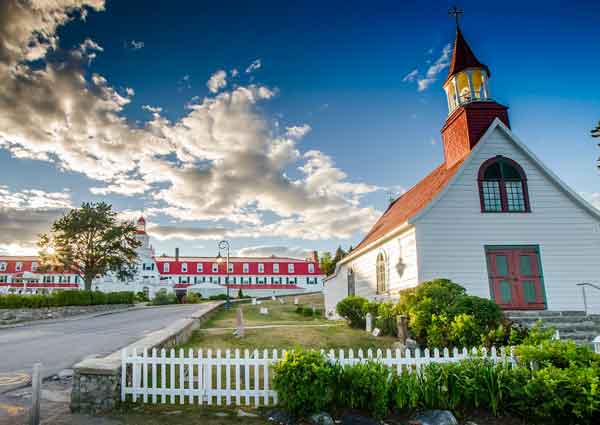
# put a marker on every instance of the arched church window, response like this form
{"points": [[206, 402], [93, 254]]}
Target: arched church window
{"points": [[381, 267], [351, 283], [503, 186]]}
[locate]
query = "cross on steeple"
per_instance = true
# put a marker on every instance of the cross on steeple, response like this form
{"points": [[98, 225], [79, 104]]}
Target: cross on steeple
{"points": [[456, 12]]}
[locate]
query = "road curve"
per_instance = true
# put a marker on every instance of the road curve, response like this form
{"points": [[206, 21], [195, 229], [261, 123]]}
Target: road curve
{"points": [[61, 344]]}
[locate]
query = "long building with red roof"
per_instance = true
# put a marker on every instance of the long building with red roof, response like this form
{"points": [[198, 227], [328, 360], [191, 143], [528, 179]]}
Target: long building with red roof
{"points": [[253, 276]]}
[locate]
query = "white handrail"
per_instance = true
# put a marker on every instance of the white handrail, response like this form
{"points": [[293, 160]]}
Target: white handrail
{"points": [[583, 286]]}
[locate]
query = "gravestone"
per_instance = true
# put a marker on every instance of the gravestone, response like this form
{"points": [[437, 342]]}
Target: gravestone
{"points": [[314, 309], [402, 328], [281, 301], [296, 301], [240, 323], [273, 298], [369, 322], [264, 310], [254, 301], [376, 332]]}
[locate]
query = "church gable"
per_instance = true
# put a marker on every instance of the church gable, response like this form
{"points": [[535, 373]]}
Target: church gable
{"points": [[542, 189]]}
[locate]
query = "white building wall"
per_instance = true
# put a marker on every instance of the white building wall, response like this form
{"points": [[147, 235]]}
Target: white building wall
{"points": [[451, 236], [402, 273]]}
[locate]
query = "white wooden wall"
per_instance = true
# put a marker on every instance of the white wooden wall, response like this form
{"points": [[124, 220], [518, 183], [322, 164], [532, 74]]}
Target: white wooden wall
{"points": [[401, 253], [452, 235]]}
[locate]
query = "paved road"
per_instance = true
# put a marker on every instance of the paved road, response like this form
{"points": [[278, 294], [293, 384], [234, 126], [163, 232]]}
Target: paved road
{"points": [[60, 345]]}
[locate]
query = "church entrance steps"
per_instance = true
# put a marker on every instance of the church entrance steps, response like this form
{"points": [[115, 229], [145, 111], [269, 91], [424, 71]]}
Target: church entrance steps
{"points": [[573, 325]]}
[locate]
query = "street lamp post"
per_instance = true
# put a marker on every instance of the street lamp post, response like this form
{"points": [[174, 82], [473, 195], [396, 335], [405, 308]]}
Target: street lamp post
{"points": [[225, 245]]}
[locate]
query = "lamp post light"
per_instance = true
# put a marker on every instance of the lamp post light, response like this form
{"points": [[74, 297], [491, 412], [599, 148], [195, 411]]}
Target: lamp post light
{"points": [[225, 245]]}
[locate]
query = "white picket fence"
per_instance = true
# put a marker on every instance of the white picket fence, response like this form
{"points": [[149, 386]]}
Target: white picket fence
{"points": [[214, 377]]}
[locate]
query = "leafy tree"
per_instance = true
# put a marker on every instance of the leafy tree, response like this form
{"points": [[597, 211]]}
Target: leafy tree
{"points": [[90, 241], [326, 263]]}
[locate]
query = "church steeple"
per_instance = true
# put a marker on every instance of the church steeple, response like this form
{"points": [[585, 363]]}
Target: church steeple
{"points": [[471, 108], [467, 77]]}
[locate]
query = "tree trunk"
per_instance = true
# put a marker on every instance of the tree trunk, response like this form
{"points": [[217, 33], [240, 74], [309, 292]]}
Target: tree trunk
{"points": [[88, 282]]}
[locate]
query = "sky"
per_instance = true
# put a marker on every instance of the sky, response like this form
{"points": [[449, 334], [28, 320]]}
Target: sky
{"points": [[281, 126]]}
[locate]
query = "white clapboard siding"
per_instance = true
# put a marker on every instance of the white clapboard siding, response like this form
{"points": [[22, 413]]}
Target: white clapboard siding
{"points": [[213, 377], [452, 235]]}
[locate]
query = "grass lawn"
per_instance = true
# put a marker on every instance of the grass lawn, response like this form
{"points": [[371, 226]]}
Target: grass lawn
{"points": [[287, 329]]}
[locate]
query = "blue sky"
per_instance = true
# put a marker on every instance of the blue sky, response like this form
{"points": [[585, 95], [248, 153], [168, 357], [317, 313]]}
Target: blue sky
{"points": [[332, 70]]}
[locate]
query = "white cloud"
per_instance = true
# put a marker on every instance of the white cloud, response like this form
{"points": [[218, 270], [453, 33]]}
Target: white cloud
{"points": [[185, 233], [256, 64], [298, 131], [26, 214], [217, 81], [411, 76], [222, 162], [135, 45], [431, 75], [438, 66], [276, 250]]}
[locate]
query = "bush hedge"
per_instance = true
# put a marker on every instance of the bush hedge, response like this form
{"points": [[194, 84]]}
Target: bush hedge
{"points": [[66, 298], [164, 298], [562, 387], [440, 314]]}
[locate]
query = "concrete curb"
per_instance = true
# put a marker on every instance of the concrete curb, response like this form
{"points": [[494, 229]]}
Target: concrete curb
{"points": [[97, 381]]}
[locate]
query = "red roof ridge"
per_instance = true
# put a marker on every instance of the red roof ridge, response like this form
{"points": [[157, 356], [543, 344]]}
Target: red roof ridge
{"points": [[411, 202]]}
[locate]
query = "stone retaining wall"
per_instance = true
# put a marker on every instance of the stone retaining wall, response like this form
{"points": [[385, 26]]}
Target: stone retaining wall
{"points": [[97, 381], [20, 315]]}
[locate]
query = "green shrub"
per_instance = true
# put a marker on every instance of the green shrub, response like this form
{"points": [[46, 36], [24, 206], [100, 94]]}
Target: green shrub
{"points": [[561, 354], [220, 297], [442, 314], [304, 382], [365, 387], [193, 298], [353, 309], [561, 396], [65, 298], [163, 298], [141, 297], [385, 318]]}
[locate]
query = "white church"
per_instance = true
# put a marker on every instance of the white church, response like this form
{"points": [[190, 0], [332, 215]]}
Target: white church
{"points": [[492, 217]]}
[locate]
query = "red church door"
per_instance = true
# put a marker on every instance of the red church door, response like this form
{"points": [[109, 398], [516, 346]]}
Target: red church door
{"points": [[516, 278]]}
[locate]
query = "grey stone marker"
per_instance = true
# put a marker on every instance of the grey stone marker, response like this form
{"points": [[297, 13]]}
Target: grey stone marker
{"points": [[36, 389], [296, 301], [281, 301], [402, 328], [369, 320], [240, 323], [314, 309]]}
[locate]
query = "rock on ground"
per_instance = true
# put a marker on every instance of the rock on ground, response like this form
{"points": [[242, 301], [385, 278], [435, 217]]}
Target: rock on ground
{"points": [[321, 418], [435, 417]]}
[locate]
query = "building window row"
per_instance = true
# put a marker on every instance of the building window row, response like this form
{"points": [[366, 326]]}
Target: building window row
{"points": [[245, 280], [245, 268]]}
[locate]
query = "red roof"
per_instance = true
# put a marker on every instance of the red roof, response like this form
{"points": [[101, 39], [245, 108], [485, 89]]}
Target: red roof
{"points": [[411, 202], [463, 57]]}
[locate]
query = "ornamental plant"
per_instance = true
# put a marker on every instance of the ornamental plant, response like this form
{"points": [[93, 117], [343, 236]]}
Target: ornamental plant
{"points": [[441, 314], [304, 382], [353, 309]]}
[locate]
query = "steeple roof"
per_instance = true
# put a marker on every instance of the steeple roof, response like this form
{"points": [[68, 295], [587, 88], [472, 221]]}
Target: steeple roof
{"points": [[463, 57]]}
